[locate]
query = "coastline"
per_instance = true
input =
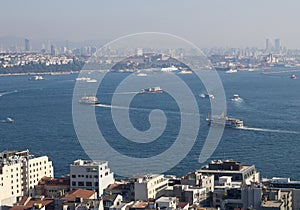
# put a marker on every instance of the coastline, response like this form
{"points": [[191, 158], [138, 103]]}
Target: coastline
{"points": [[40, 73]]}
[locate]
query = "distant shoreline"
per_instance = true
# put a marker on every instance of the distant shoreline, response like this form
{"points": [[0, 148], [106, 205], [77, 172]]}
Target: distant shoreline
{"points": [[40, 73]]}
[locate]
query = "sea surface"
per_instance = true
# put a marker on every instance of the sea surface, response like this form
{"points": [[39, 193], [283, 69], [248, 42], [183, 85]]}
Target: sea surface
{"points": [[42, 113]]}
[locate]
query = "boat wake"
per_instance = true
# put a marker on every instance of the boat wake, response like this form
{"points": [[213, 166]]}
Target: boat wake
{"points": [[141, 109], [268, 130], [120, 93], [8, 92]]}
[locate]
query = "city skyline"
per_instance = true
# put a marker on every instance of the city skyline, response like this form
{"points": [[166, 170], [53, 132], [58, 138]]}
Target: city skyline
{"points": [[206, 23]]}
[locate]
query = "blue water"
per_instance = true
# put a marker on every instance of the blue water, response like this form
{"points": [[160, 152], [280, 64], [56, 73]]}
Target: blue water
{"points": [[42, 111]]}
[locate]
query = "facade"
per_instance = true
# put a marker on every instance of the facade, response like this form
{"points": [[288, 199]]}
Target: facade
{"points": [[90, 175], [149, 186], [167, 203], [19, 173]]}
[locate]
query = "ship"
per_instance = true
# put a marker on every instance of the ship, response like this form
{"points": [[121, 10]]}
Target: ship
{"points": [[236, 97], [89, 100], [151, 90], [36, 77], [226, 121], [293, 76], [170, 69], [9, 120]]}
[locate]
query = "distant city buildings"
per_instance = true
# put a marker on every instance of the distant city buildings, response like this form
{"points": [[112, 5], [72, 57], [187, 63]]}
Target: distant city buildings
{"points": [[27, 46]]}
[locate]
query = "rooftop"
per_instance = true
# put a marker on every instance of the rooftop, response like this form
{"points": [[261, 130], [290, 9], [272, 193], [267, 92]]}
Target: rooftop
{"points": [[88, 163]]}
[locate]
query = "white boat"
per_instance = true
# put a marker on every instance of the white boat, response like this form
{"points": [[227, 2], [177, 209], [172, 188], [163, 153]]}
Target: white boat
{"points": [[36, 77], [231, 71], [293, 76], [9, 120], [185, 72], [170, 69], [91, 80], [82, 78], [226, 121], [207, 95], [141, 75], [89, 100], [236, 97]]}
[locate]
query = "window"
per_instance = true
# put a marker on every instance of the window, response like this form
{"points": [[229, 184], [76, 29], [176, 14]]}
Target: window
{"points": [[73, 183], [80, 184], [88, 184], [73, 176]]}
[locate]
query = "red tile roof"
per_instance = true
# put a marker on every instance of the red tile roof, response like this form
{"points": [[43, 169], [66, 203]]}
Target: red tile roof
{"points": [[85, 194]]}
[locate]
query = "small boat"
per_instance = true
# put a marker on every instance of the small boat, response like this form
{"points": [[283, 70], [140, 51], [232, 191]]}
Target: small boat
{"points": [[89, 100], [231, 71], [82, 78], [36, 77], [293, 76], [9, 120], [236, 97], [141, 75], [207, 95], [91, 80], [152, 90], [224, 120], [170, 69]]}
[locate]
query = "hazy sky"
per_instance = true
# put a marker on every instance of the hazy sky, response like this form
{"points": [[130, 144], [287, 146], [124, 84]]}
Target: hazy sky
{"points": [[208, 23]]}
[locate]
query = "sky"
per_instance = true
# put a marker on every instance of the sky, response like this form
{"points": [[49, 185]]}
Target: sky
{"points": [[207, 23]]}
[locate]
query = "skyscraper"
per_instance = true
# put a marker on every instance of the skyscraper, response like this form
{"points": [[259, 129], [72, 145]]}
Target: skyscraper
{"points": [[27, 45], [268, 44], [277, 44]]}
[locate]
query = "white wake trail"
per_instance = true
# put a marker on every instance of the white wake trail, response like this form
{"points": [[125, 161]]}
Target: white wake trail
{"points": [[268, 130]]}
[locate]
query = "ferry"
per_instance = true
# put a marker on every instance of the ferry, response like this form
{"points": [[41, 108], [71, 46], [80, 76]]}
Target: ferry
{"points": [[293, 76], [152, 90], [170, 69], [226, 121], [89, 100]]}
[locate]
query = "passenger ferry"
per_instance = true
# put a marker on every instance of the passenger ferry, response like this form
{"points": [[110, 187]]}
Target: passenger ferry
{"points": [[226, 121], [89, 100], [152, 90]]}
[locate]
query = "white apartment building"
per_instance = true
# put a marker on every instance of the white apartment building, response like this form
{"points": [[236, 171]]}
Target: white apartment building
{"points": [[149, 186], [90, 175], [19, 173]]}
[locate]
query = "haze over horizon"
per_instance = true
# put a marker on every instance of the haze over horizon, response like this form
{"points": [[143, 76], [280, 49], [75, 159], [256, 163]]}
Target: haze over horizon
{"points": [[207, 23]]}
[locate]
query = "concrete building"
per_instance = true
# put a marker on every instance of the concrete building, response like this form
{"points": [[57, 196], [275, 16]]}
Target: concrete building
{"points": [[149, 186], [27, 45], [199, 179], [90, 175], [167, 203], [237, 170], [277, 44], [186, 193], [52, 187], [19, 173]]}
